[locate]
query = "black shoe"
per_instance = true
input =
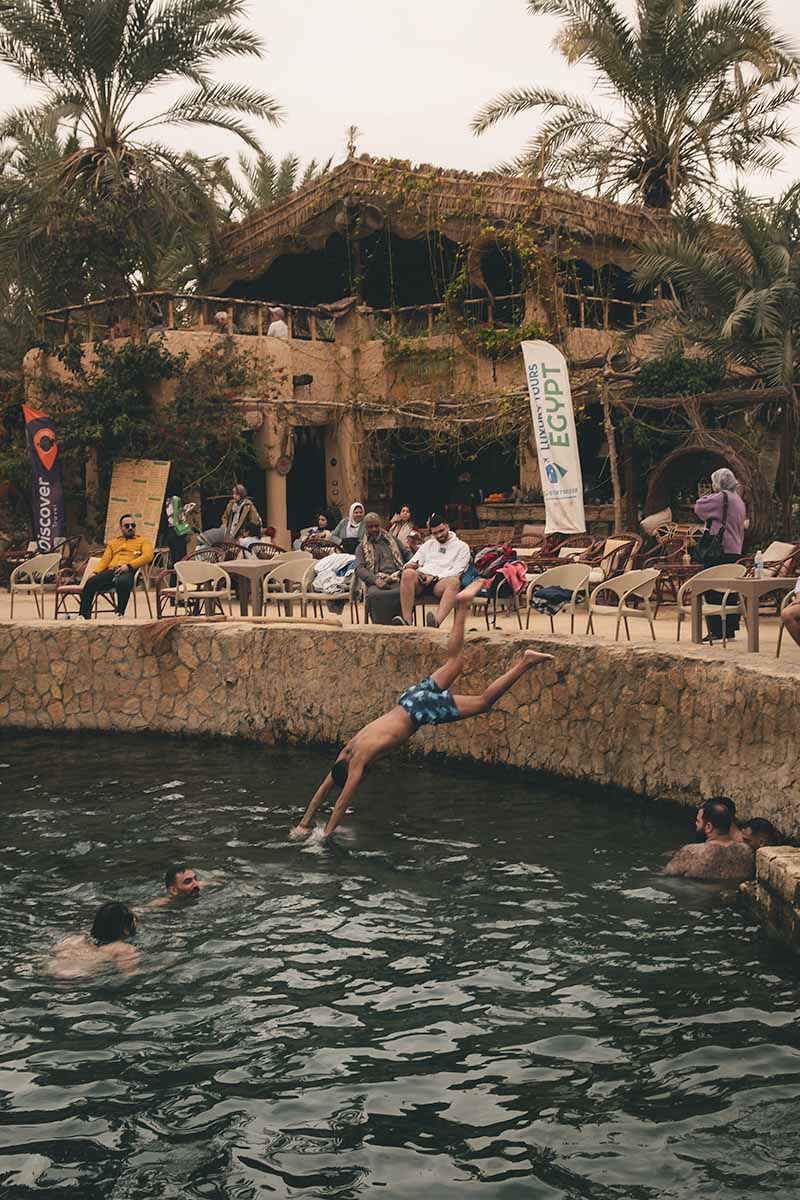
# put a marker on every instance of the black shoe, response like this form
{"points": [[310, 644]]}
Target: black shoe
{"points": [[399, 621], [709, 639], [431, 622]]}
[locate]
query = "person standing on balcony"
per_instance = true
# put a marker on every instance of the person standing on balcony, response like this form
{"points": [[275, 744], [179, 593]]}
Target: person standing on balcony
{"points": [[277, 324], [724, 507]]}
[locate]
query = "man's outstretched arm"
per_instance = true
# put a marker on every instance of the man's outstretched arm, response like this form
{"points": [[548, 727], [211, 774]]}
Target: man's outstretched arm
{"points": [[340, 807], [303, 828]]}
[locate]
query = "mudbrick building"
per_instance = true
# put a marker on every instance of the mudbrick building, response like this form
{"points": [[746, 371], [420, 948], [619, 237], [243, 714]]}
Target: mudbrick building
{"points": [[407, 291]]}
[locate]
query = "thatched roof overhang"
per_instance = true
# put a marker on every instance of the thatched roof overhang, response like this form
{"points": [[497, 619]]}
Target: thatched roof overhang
{"points": [[418, 200]]}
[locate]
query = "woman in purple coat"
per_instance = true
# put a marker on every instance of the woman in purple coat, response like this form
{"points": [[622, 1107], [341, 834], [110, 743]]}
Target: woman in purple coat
{"points": [[711, 508]]}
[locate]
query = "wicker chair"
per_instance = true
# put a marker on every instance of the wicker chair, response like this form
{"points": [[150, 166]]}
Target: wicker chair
{"points": [[265, 550]]}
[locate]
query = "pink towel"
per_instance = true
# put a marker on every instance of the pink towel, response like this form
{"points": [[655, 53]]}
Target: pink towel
{"points": [[514, 573]]}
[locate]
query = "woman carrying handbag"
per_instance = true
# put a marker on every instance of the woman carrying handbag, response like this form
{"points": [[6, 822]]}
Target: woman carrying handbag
{"points": [[724, 513]]}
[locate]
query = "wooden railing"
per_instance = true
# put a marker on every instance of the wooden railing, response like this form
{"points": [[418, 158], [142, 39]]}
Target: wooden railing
{"points": [[423, 320], [604, 312], [123, 316]]}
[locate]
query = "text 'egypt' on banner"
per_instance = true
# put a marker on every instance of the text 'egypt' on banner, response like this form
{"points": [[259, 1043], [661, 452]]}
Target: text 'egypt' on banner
{"points": [[49, 525], [555, 437]]}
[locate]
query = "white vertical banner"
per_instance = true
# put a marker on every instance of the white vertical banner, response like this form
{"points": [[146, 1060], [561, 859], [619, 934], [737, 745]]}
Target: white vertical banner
{"points": [[555, 437]]}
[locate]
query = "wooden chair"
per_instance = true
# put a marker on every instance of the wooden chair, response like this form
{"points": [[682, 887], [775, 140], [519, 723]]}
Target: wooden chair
{"points": [[612, 557], [634, 585], [572, 577], [574, 547]]}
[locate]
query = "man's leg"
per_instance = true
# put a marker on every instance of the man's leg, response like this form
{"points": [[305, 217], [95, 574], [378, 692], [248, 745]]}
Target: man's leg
{"points": [[447, 591], [409, 585], [95, 583], [791, 621], [471, 706], [447, 674], [124, 587]]}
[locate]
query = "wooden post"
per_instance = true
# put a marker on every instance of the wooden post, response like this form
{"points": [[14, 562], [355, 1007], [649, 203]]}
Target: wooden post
{"points": [[230, 320], [582, 312], [170, 313], [312, 325], [613, 460], [430, 320], [260, 320]]}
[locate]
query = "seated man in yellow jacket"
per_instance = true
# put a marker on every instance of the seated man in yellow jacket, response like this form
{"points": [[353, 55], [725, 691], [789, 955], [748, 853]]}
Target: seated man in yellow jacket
{"points": [[121, 560]]}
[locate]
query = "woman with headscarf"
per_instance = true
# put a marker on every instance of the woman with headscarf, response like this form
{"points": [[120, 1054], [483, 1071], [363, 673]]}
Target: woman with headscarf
{"points": [[723, 506], [401, 526], [350, 529]]}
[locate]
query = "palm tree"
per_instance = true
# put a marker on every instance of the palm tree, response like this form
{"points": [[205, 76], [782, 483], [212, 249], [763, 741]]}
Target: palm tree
{"points": [[736, 294], [692, 86], [269, 181], [96, 59]]}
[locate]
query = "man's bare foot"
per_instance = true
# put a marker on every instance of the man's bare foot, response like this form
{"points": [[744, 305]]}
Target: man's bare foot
{"points": [[532, 658], [468, 594]]}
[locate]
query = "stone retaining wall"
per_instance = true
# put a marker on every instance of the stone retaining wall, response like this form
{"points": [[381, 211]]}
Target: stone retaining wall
{"points": [[774, 895], [657, 722]]}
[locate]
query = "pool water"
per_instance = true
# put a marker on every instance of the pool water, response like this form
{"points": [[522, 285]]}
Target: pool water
{"points": [[485, 991]]}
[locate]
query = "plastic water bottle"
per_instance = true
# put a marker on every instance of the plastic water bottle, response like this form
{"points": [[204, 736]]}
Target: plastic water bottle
{"points": [[758, 564]]}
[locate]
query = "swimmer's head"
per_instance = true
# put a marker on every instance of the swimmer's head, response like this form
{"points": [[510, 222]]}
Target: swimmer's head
{"points": [[339, 772], [181, 881], [112, 922]]}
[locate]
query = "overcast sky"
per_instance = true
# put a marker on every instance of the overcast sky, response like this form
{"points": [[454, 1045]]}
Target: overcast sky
{"points": [[410, 76]]}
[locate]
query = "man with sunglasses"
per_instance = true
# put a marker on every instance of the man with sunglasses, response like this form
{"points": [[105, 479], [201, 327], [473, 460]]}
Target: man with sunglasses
{"points": [[117, 568]]}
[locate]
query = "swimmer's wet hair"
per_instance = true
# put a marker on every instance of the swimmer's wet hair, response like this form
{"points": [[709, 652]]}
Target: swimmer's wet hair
{"points": [[172, 872], [339, 772], [717, 813], [112, 921]]}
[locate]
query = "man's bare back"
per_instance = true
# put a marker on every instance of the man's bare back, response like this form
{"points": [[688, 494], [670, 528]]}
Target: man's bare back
{"points": [[714, 860]]}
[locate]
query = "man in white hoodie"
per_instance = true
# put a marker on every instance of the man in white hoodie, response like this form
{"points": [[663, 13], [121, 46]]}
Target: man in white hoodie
{"points": [[436, 568]]}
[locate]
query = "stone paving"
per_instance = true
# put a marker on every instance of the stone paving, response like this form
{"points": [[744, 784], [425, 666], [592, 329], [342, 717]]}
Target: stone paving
{"points": [[665, 626]]}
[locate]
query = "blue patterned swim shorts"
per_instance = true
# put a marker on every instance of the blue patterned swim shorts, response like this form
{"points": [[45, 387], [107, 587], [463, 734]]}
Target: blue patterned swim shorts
{"points": [[428, 704]]}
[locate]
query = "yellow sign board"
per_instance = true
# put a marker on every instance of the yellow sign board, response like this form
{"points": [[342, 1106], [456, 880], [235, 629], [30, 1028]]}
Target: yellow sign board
{"points": [[138, 486]]}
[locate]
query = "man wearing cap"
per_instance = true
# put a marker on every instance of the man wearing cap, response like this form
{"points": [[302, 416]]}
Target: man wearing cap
{"points": [[117, 568]]}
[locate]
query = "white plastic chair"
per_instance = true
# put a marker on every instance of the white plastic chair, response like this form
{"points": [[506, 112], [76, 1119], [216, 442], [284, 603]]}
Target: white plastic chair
{"points": [[31, 577], [633, 585], [203, 582], [572, 577], [725, 571], [286, 584], [350, 594]]}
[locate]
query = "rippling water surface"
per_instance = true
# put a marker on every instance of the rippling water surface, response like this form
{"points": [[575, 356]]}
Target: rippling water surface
{"points": [[485, 991]]}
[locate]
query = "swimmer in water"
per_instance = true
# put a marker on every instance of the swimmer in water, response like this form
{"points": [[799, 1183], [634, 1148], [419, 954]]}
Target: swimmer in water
{"points": [[427, 703], [182, 886], [107, 942]]}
